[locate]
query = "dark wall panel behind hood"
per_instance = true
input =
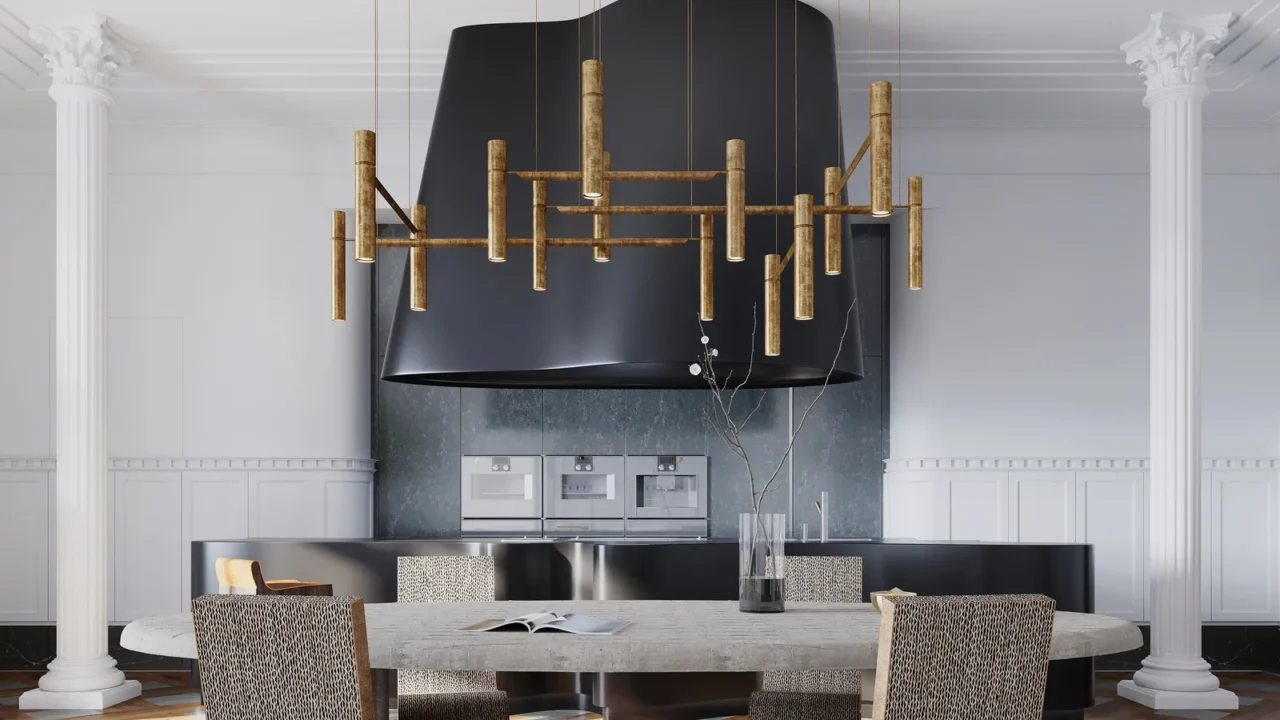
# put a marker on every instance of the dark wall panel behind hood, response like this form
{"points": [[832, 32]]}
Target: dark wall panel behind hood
{"points": [[631, 322]]}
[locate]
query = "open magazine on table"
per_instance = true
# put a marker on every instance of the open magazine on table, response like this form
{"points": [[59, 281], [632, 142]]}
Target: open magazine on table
{"points": [[549, 621]]}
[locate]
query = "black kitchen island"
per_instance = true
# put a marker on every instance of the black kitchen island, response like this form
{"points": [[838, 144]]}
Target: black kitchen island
{"points": [[679, 570]]}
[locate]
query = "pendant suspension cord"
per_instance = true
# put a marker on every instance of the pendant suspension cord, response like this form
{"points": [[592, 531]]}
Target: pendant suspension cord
{"points": [[581, 167], [795, 96], [839, 34], [688, 97], [376, 3], [775, 122], [408, 86], [535, 84], [897, 135]]}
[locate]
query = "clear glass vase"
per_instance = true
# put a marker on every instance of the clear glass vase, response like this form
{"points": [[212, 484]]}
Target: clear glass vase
{"points": [[762, 562]]}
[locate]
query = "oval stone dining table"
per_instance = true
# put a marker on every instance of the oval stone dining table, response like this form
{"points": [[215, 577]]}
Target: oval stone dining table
{"points": [[664, 636]]}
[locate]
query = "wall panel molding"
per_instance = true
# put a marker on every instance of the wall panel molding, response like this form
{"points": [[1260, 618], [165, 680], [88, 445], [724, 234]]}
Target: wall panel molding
{"points": [[896, 465], [345, 464]]}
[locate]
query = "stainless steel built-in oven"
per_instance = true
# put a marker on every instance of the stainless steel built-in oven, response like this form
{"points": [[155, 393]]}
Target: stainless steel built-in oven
{"points": [[582, 495], [501, 495], [666, 496]]}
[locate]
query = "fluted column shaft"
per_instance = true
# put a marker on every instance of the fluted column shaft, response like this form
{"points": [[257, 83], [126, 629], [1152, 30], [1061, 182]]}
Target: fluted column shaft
{"points": [[83, 61], [1175, 393], [82, 662], [1174, 53]]}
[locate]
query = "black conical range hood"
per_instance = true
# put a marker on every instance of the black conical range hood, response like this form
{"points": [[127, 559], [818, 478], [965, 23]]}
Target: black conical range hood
{"points": [[632, 322]]}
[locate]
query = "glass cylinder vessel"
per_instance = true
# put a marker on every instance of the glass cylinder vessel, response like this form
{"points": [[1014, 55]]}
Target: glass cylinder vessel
{"points": [[762, 562]]}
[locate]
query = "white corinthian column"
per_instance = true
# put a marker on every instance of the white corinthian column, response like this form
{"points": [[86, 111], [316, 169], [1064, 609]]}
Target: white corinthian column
{"points": [[1173, 54], [83, 59]]}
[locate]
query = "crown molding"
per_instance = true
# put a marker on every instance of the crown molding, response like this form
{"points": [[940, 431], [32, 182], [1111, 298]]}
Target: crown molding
{"points": [[349, 464], [893, 465]]}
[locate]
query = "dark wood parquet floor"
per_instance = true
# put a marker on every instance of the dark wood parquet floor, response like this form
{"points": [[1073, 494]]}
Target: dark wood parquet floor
{"points": [[167, 696]]}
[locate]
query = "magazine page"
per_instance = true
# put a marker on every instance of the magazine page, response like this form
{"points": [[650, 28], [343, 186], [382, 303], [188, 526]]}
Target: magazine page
{"points": [[583, 625], [526, 622]]}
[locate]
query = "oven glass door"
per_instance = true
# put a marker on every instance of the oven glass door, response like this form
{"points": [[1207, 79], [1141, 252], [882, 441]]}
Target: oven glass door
{"points": [[668, 496], [500, 495]]}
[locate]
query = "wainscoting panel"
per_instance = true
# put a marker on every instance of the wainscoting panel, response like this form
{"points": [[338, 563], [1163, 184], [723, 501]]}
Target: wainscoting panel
{"points": [[155, 507], [215, 505], [1042, 507], [1104, 502], [1112, 518], [979, 506], [148, 544], [24, 546], [340, 496], [285, 505], [1244, 530]]}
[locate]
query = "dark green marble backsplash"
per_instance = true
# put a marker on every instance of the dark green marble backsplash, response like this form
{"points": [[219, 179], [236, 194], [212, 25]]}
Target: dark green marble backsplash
{"points": [[420, 433]]}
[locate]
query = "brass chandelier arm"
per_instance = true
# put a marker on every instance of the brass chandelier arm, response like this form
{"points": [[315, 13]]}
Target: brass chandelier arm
{"points": [[862, 151], [528, 242], [620, 175], [710, 209], [404, 217], [786, 259]]}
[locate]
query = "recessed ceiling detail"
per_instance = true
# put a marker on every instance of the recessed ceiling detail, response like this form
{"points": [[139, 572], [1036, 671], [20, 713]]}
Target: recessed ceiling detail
{"points": [[982, 63]]}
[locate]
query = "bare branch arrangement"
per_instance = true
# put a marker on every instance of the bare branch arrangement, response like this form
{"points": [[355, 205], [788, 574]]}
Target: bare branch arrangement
{"points": [[723, 393]]}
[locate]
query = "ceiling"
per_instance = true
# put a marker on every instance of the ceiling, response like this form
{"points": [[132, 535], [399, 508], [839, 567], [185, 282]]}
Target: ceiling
{"points": [[309, 62]]}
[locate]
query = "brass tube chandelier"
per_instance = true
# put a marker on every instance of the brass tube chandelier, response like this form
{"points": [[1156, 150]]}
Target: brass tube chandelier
{"points": [[596, 177]]}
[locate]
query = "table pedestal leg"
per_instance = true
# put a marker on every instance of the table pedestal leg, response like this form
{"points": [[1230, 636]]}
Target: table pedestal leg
{"points": [[381, 694]]}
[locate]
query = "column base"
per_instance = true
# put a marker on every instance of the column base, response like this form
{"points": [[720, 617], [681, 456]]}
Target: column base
{"points": [[1174, 700], [80, 700]]}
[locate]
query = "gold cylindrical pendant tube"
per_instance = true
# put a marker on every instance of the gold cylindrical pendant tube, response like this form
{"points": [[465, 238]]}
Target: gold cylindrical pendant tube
{"points": [[497, 200], [339, 265], [804, 257], [706, 268], [418, 260], [915, 233], [592, 128], [833, 246], [881, 148], [772, 305], [366, 196], [603, 223], [539, 235], [735, 231]]}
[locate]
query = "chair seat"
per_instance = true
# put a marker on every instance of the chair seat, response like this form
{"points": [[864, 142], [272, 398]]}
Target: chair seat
{"points": [[486, 705], [777, 705]]}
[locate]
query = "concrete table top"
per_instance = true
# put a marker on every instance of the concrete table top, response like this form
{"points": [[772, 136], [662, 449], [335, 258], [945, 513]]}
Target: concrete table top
{"points": [[665, 636]]}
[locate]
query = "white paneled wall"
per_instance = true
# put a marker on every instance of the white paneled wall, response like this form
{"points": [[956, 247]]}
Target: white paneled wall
{"points": [[219, 345], [158, 507], [25, 560], [1102, 503]]}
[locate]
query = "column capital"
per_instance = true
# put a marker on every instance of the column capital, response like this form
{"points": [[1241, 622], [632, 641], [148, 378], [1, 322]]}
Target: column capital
{"points": [[86, 53], [1174, 51]]}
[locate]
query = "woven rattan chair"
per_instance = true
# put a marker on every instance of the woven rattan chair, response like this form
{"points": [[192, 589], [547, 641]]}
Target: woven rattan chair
{"points": [[446, 695], [815, 694], [265, 657]]}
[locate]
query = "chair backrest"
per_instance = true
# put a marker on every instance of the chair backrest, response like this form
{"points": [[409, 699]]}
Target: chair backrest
{"points": [[823, 578], [265, 657], [819, 578], [967, 656], [240, 577], [440, 579]]}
